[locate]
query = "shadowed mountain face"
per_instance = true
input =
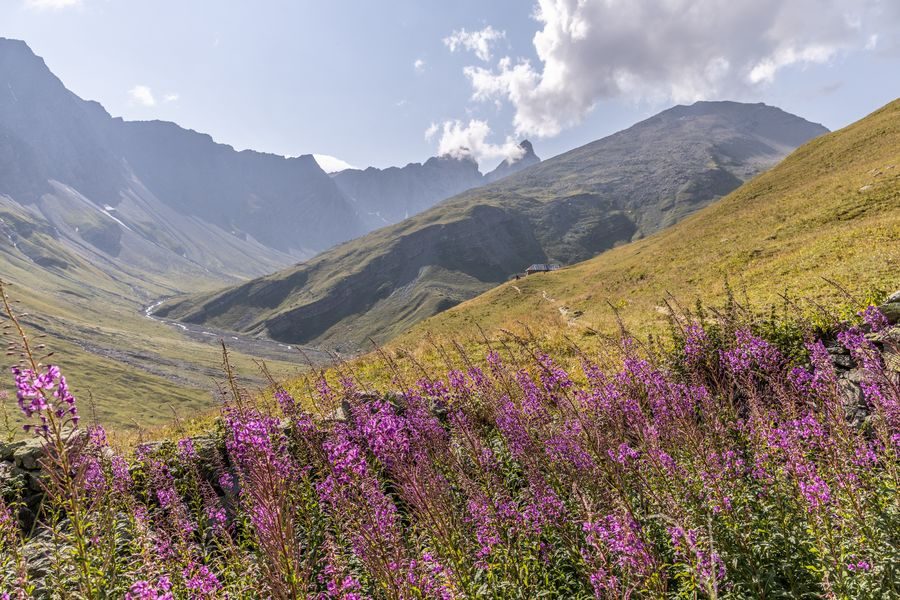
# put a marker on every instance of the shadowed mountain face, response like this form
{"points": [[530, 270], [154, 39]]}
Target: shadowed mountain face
{"points": [[565, 209], [152, 195], [387, 196]]}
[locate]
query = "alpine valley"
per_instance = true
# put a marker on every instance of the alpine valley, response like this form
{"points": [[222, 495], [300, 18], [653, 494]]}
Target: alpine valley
{"points": [[623, 337]]}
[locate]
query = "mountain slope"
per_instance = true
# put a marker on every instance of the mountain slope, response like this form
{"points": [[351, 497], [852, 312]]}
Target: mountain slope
{"points": [[100, 217], [565, 209], [153, 195], [829, 212]]}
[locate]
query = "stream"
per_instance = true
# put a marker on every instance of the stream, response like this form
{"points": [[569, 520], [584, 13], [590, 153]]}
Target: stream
{"points": [[249, 345]]}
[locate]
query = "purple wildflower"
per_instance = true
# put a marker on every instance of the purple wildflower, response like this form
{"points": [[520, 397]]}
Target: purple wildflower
{"points": [[874, 318], [201, 581]]}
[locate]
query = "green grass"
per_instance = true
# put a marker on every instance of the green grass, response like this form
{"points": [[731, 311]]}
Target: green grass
{"points": [[829, 212], [137, 373]]}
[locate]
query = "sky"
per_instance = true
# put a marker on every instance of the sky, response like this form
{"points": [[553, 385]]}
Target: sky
{"points": [[388, 82]]}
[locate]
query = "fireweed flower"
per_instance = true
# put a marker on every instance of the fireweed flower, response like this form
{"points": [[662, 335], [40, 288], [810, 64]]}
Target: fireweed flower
{"points": [[544, 507], [486, 522], [860, 566], [216, 517], [324, 392], [495, 363], [226, 482], [552, 377], [708, 565], [121, 475], [94, 477], [43, 394], [285, 401], [624, 454], [695, 343], [861, 349], [750, 351], [511, 424], [874, 318], [565, 447], [354, 494], [256, 441], [621, 538], [144, 590], [433, 578], [532, 403], [490, 470], [201, 581], [186, 452]]}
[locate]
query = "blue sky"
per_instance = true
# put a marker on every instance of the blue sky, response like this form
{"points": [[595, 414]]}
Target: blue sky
{"points": [[339, 77]]}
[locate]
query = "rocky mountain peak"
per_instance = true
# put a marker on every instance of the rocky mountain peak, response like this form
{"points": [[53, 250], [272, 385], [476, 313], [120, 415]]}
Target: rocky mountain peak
{"points": [[528, 148], [513, 165]]}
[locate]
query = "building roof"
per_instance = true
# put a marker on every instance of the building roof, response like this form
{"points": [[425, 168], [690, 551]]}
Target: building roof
{"points": [[542, 267]]}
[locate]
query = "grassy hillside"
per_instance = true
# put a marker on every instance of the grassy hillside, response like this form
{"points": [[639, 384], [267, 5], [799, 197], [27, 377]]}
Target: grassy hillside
{"points": [[830, 211], [137, 371], [565, 209]]}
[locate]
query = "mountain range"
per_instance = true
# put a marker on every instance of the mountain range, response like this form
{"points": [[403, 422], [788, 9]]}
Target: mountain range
{"points": [[101, 218], [166, 199], [387, 196], [565, 209]]}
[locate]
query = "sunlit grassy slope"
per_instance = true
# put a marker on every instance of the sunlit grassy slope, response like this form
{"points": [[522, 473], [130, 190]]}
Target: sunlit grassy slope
{"points": [[134, 372], [830, 211]]}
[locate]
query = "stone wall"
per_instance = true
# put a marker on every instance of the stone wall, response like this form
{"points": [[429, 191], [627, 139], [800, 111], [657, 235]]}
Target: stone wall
{"points": [[20, 476]]}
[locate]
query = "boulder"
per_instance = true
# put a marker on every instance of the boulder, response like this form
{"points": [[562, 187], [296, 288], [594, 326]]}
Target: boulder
{"points": [[11, 480], [7, 450], [891, 308], [841, 362], [28, 454], [38, 553], [854, 401], [891, 311]]}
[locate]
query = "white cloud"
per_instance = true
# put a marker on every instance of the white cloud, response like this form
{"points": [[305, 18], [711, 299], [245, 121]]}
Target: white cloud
{"points": [[419, 65], [171, 97], [143, 95], [479, 42], [51, 4], [460, 139], [677, 50], [332, 164]]}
